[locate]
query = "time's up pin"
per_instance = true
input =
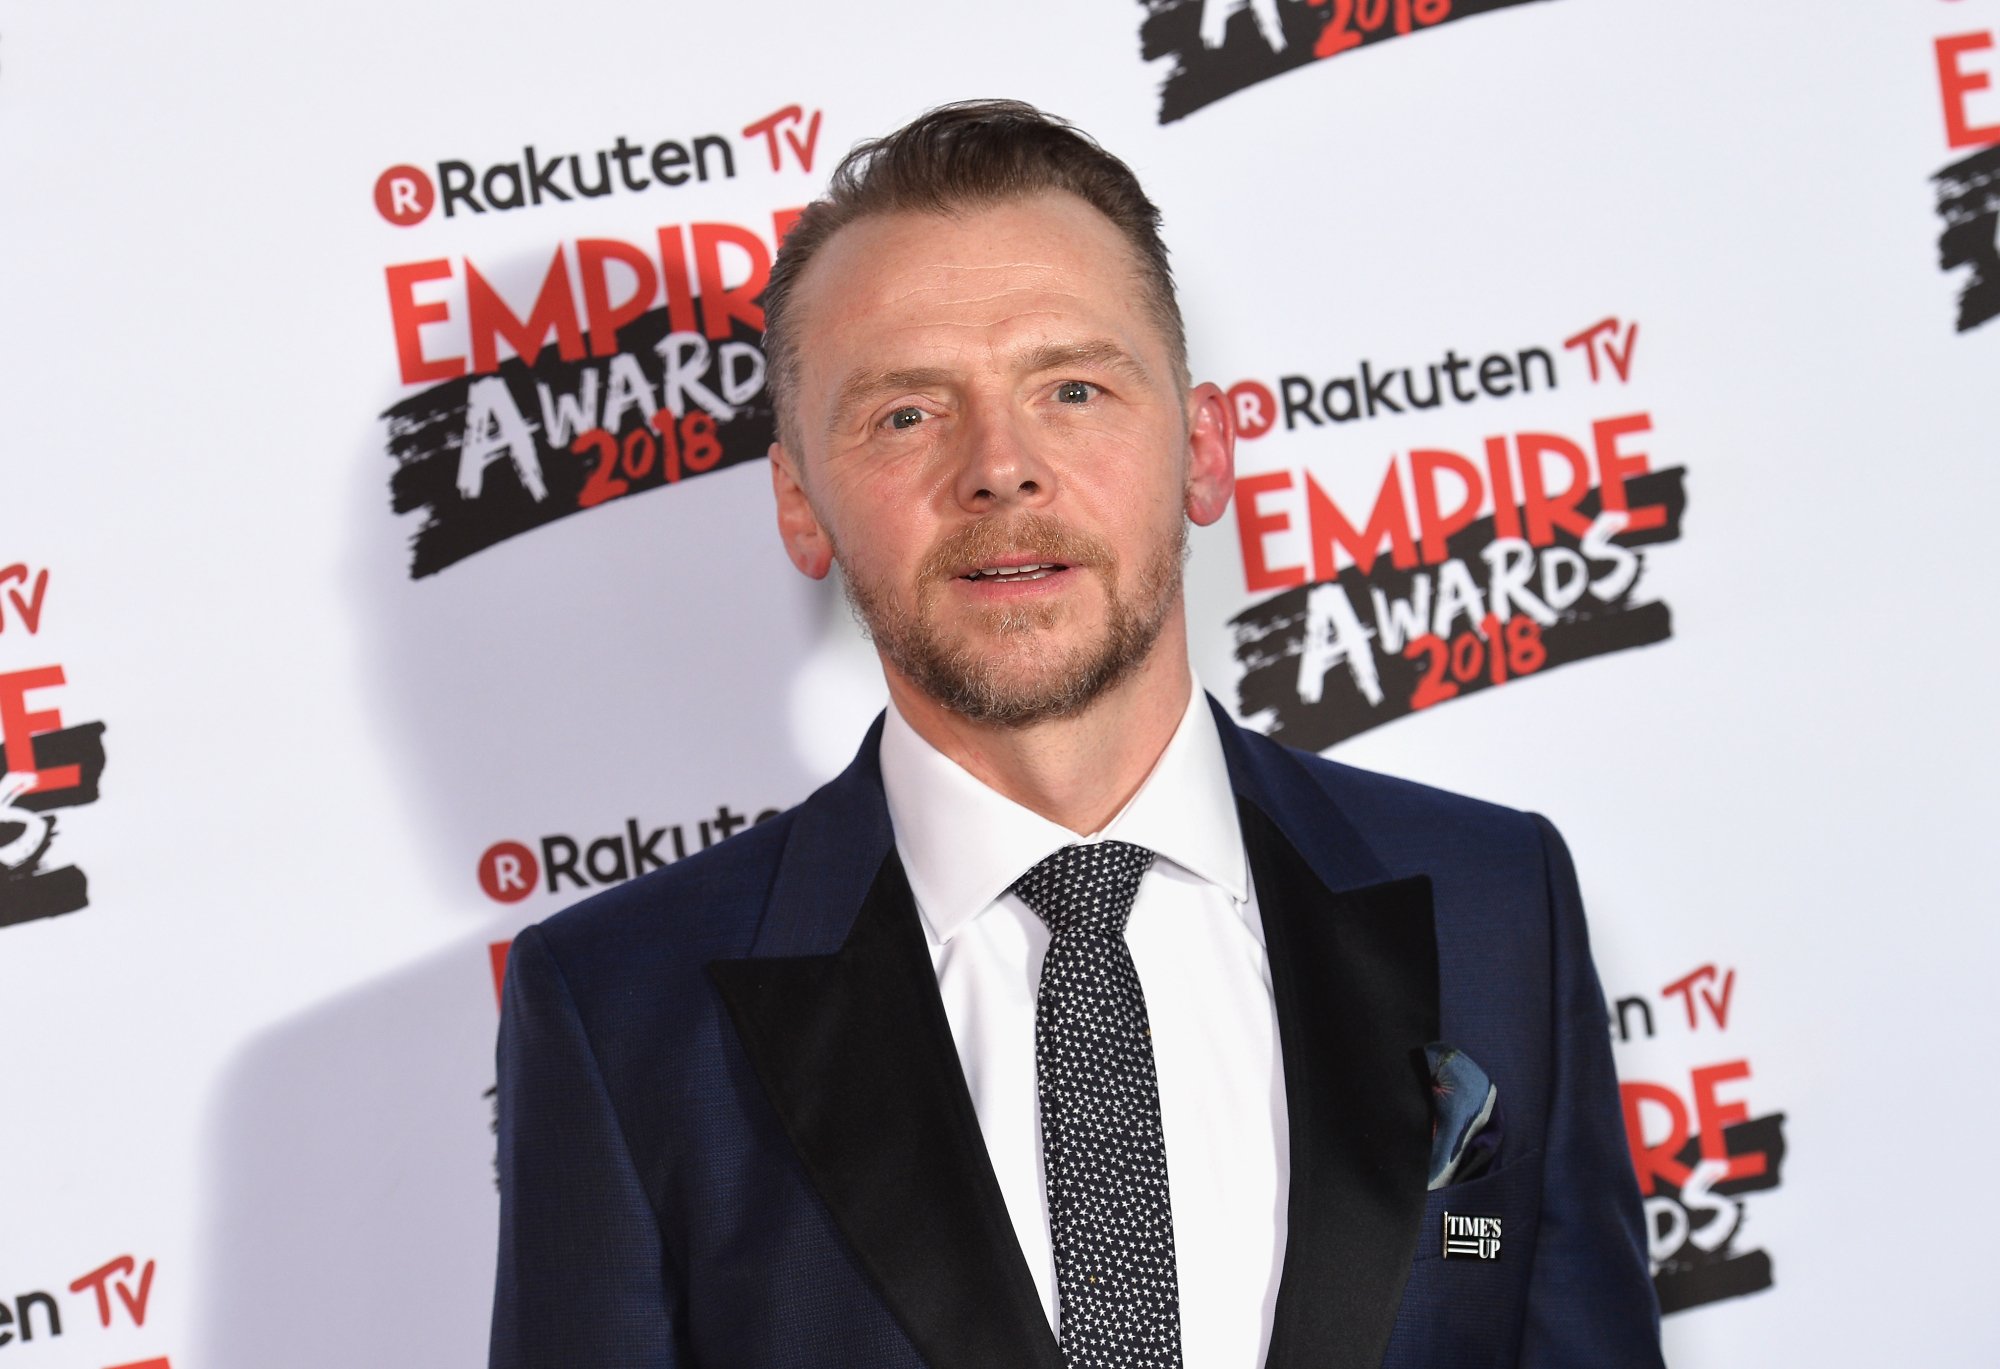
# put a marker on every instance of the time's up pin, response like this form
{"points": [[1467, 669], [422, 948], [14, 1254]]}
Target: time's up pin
{"points": [[1471, 1238]]}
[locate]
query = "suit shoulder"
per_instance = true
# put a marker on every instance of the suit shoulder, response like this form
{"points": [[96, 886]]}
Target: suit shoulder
{"points": [[1397, 814], [687, 913]]}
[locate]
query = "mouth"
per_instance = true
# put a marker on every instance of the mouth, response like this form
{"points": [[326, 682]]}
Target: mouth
{"points": [[1013, 575]]}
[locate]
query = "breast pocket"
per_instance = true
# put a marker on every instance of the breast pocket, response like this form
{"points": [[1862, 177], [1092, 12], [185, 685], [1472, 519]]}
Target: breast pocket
{"points": [[1463, 1303]]}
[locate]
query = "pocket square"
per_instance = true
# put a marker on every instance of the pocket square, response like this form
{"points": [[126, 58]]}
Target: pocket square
{"points": [[1465, 1116]]}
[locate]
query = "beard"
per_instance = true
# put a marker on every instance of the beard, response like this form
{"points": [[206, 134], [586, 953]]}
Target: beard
{"points": [[1002, 669]]}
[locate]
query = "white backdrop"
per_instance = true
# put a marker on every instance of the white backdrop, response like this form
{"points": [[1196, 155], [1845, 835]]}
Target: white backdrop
{"points": [[244, 1108]]}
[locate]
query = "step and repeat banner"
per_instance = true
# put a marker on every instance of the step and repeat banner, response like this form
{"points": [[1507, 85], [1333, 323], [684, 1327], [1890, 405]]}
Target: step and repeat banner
{"points": [[387, 561]]}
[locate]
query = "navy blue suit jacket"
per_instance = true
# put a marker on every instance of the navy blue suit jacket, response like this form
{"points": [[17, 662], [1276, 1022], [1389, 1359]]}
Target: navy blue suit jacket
{"points": [[734, 1132]]}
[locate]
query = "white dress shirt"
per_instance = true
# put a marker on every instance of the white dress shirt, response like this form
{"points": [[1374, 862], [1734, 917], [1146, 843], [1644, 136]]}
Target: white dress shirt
{"points": [[1198, 945]]}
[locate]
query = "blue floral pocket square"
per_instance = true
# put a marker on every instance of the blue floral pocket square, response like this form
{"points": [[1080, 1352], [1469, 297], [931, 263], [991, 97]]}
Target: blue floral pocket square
{"points": [[1465, 1116]]}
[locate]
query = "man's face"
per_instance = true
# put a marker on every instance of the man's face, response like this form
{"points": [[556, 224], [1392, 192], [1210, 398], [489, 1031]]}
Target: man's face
{"points": [[997, 450]]}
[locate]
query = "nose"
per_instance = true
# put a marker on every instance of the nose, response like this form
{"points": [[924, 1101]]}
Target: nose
{"points": [[1000, 464]]}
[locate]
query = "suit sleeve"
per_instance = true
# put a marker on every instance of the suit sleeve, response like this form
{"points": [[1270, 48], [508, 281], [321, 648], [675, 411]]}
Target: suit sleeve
{"points": [[582, 1281], [1590, 1299]]}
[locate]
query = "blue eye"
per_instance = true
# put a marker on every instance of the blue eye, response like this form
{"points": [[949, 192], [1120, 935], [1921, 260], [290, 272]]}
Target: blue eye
{"points": [[909, 416], [1075, 392]]}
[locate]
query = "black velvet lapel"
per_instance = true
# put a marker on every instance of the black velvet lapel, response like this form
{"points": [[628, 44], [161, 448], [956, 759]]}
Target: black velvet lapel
{"points": [[1354, 975], [856, 1055]]}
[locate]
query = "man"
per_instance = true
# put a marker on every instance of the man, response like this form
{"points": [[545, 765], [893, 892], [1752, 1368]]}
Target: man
{"points": [[1072, 1025]]}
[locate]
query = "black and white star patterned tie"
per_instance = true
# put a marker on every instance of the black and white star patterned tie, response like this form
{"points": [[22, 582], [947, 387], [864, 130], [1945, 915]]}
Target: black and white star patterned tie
{"points": [[1103, 1151]]}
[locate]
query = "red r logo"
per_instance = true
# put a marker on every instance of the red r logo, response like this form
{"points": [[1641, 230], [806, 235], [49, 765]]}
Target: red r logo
{"points": [[1252, 408], [508, 872], [404, 195]]}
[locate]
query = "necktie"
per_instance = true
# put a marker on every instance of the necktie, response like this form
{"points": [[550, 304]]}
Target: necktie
{"points": [[1103, 1153]]}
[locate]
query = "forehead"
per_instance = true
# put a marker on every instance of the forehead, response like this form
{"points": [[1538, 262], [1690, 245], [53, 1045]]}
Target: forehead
{"points": [[1013, 272]]}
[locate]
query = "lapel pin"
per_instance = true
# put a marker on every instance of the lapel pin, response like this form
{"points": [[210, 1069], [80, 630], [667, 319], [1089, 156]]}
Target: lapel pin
{"points": [[1475, 1238]]}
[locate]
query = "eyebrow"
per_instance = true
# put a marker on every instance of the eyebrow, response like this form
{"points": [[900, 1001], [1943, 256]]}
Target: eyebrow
{"points": [[863, 386], [1100, 353]]}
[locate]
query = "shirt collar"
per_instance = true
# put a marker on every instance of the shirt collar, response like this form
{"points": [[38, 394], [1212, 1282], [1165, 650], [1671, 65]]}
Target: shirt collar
{"points": [[963, 845]]}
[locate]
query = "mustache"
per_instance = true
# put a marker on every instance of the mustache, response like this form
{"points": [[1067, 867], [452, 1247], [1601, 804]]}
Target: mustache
{"points": [[1033, 534]]}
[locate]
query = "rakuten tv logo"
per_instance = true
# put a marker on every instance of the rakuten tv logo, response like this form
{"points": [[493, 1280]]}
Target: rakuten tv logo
{"points": [[509, 871], [405, 194], [118, 1292], [1371, 389]]}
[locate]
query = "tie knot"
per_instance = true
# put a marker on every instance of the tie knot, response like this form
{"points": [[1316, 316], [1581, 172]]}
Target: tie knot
{"points": [[1086, 888]]}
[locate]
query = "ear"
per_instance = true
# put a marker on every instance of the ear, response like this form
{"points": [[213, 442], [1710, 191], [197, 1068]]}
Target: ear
{"points": [[1211, 455], [799, 527]]}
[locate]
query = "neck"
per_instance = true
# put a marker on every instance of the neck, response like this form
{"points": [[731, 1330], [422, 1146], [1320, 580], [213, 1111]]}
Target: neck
{"points": [[1077, 771]]}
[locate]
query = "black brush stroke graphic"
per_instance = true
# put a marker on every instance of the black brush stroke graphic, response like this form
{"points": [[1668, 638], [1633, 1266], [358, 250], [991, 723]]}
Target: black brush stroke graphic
{"points": [[1202, 75], [1271, 635], [81, 746], [42, 893], [27, 891], [427, 431], [1692, 1276], [1969, 203]]}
